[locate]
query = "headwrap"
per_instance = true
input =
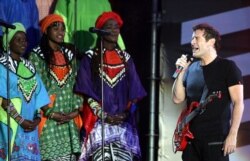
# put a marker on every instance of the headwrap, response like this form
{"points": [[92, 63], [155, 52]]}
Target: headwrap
{"points": [[105, 16], [11, 33], [48, 20]]}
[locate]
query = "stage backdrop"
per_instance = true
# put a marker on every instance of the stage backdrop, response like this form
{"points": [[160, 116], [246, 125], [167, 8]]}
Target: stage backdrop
{"points": [[232, 20]]}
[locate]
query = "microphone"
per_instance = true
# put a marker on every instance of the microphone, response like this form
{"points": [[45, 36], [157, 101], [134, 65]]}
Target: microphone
{"points": [[6, 25], [177, 72], [99, 31], [180, 68]]}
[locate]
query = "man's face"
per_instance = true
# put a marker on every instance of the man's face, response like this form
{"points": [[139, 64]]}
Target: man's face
{"points": [[199, 45]]}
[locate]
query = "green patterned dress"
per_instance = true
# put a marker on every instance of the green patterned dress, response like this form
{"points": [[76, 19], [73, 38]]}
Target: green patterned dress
{"points": [[58, 141]]}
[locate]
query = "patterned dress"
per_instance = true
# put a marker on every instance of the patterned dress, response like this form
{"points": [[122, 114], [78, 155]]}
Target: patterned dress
{"points": [[26, 12], [121, 84], [28, 95], [57, 141]]}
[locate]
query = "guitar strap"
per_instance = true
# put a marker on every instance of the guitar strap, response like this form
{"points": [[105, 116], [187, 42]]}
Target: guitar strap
{"points": [[203, 97], [204, 94]]}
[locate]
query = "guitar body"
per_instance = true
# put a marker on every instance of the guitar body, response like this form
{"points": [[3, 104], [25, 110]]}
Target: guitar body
{"points": [[183, 134]]}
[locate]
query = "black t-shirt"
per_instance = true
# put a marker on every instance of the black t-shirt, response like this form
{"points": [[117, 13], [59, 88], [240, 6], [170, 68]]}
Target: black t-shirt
{"points": [[218, 75]]}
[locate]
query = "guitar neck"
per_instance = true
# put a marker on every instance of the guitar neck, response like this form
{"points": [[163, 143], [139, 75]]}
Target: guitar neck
{"points": [[191, 115], [188, 118]]}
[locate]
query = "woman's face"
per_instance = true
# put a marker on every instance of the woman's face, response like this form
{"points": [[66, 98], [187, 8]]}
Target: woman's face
{"points": [[18, 43], [56, 32], [112, 27]]}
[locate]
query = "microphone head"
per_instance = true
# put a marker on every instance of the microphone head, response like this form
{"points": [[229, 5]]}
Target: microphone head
{"points": [[99, 31], [7, 25], [91, 29], [186, 51]]}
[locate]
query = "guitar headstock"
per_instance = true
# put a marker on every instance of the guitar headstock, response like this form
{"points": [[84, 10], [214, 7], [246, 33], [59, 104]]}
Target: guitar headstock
{"points": [[215, 94], [218, 94]]}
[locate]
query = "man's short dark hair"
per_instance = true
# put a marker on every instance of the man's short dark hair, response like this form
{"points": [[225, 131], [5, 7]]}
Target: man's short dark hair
{"points": [[209, 33]]}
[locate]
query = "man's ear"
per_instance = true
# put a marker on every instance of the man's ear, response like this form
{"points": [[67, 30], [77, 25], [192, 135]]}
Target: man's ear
{"points": [[212, 42]]}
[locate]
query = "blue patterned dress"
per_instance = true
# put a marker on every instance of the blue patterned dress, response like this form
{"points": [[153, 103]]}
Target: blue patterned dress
{"points": [[25, 87]]}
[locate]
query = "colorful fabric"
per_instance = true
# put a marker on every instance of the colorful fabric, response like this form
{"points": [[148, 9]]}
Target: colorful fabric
{"points": [[17, 102], [124, 134], [48, 20], [113, 151], [27, 87], [113, 69], [60, 71], [65, 158], [79, 16], [26, 145], [25, 12], [11, 33], [25, 71], [59, 140], [88, 119], [105, 16], [44, 7], [121, 85]]}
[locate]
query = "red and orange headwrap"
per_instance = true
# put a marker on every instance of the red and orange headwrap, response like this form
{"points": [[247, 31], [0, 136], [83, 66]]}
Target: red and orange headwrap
{"points": [[105, 16], [48, 20]]}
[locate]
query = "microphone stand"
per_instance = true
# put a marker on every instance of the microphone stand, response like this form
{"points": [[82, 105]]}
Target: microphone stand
{"points": [[6, 54], [102, 94], [100, 35]]}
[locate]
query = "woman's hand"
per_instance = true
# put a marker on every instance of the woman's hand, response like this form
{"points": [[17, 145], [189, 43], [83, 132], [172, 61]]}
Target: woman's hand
{"points": [[37, 120], [117, 118], [5, 103], [73, 114], [28, 125], [59, 117], [62, 118]]}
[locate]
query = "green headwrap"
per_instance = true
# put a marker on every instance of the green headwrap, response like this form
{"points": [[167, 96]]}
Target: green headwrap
{"points": [[12, 32]]}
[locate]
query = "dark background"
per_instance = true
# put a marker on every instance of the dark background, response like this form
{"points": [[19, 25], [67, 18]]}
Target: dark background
{"points": [[136, 32]]}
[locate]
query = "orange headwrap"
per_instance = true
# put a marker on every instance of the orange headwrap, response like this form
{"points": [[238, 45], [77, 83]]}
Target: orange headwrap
{"points": [[48, 20], [105, 16]]}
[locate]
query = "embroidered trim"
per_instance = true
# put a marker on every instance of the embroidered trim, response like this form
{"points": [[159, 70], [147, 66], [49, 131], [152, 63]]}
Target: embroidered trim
{"points": [[60, 74], [113, 70], [111, 80], [26, 75], [121, 53], [27, 87], [68, 53], [13, 65]]}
